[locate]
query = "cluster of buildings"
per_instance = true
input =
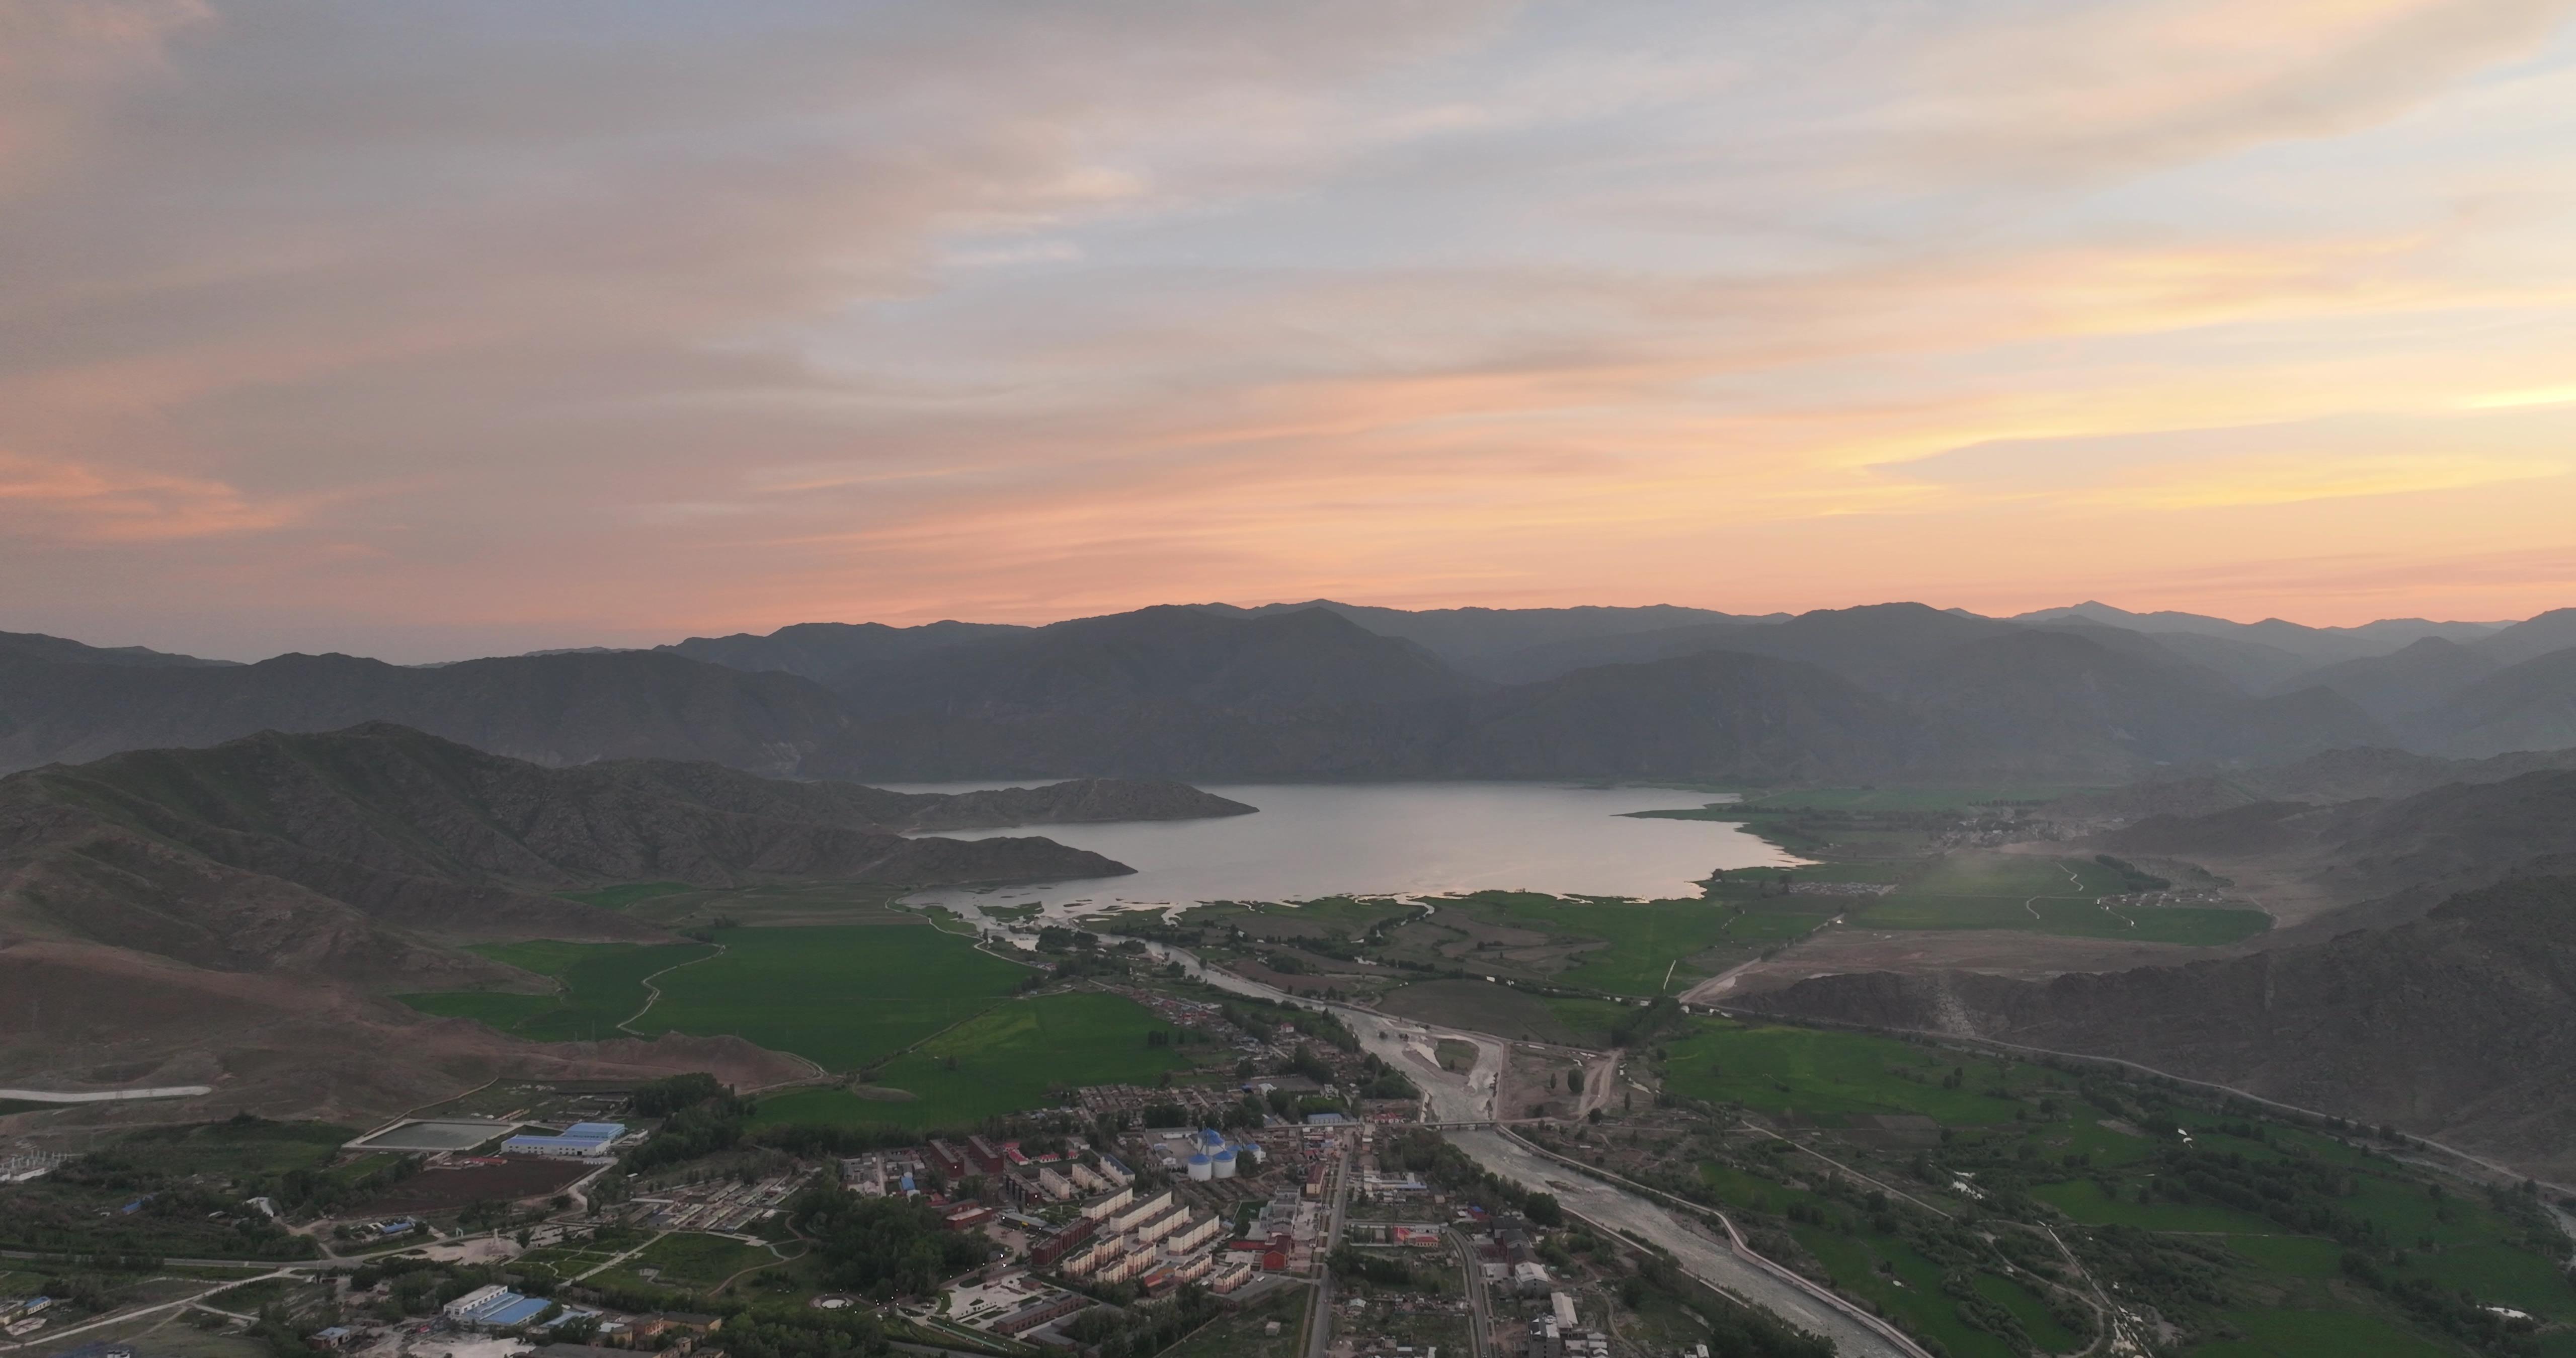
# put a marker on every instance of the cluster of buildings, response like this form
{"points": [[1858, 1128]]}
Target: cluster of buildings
{"points": [[1155, 1241], [719, 1205], [1012, 1305], [1020, 1180], [23, 1316], [1208, 1154], [1205, 1102], [28, 1166]]}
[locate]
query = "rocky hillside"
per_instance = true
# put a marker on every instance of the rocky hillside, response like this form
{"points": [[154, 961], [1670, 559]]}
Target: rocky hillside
{"points": [[2459, 1026], [2385, 859]]}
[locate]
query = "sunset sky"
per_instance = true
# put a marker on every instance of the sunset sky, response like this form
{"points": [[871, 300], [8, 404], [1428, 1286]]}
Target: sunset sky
{"points": [[433, 330]]}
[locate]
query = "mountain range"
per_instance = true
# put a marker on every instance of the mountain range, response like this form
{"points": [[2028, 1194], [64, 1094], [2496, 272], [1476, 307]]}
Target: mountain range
{"points": [[1325, 690]]}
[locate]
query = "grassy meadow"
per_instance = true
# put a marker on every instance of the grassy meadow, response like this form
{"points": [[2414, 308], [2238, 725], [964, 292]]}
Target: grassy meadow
{"points": [[1977, 890], [1822, 1076], [599, 986], [842, 997], [1628, 947], [625, 894], [1018, 1054]]}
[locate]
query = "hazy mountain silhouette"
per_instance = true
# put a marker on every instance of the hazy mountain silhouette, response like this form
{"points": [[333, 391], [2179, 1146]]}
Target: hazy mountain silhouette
{"points": [[2526, 706], [557, 709], [2405, 681], [38, 646], [1318, 692], [828, 652]]}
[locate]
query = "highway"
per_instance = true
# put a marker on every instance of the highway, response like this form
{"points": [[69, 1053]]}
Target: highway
{"points": [[1729, 1265], [105, 1095], [1480, 1302], [1319, 1314]]}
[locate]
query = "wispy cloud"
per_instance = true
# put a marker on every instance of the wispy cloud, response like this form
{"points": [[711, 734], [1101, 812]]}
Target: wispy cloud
{"points": [[637, 317], [69, 502]]}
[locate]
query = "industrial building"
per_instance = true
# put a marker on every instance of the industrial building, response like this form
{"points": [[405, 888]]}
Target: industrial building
{"points": [[582, 1140]]}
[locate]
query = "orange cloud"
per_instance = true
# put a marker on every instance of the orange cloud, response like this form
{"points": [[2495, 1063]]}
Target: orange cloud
{"points": [[76, 503]]}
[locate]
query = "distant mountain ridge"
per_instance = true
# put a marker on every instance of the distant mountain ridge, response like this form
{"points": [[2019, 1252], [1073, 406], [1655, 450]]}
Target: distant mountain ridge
{"points": [[2318, 644], [1335, 691], [38, 646], [829, 652], [560, 709]]}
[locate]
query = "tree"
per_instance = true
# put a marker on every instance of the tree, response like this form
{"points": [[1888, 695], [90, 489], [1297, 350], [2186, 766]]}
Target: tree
{"points": [[1574, 1081]]}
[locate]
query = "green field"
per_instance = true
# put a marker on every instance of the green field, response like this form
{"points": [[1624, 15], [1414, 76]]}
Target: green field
{"points": [[1342, 917], [2026, 1306], [2290, 1256], [2083, 1200], [1484, 1007], [233, 1149], [1963, 798], [1021, 1054], [601, 986], [1975, 890], [2316, 1334], [1241, 1334], [1642, 945], [621, 896], [1587, 1021], [574, 1258], [843, 997], [1823, 1075], [1871, 1266], [687, 1260]]}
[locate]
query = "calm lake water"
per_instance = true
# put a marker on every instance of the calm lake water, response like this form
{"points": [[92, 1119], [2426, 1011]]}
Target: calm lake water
{"points": [[1388, 839]]}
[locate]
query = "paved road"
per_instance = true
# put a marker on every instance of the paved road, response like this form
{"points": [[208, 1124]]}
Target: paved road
{"points": [[1319, 1323], [105, 1095], [121, 1317], [1480, 1321], [1710, 1260]]}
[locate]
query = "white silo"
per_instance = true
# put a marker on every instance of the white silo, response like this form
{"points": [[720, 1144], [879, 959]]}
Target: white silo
{"points": [[1200, 1166]]}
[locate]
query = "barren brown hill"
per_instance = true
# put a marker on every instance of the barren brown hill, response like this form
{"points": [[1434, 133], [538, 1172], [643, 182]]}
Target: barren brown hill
{"points": [[282, 1043], [332, 850], [2379, 861]]}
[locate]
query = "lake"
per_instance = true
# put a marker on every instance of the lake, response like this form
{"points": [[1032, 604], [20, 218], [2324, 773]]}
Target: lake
{"points": [[1387, 839]]}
